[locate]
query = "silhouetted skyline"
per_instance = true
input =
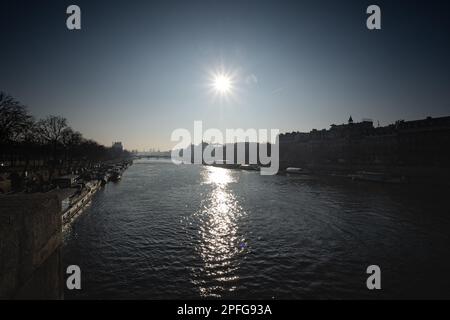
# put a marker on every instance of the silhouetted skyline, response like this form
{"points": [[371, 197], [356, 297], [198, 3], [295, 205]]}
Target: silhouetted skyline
{"points": [[138, 70]]}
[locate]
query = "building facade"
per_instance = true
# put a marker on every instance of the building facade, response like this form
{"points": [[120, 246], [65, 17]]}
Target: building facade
{"points": [[419, 143]]}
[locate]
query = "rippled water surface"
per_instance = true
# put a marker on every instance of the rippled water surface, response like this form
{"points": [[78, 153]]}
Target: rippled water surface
{"points": [[169, 231]]}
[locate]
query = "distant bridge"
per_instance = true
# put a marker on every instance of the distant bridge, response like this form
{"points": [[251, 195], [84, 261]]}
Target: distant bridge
{"points": [[152, 156]]}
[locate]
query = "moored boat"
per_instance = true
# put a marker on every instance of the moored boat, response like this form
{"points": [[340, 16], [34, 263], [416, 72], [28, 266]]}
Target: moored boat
{"points": [[251, 167], [294, 170], [115, 176]]}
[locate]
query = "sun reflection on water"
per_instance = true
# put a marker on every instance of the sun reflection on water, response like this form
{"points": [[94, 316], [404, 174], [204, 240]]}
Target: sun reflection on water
{"points": [[219, 177], [219, 244]]}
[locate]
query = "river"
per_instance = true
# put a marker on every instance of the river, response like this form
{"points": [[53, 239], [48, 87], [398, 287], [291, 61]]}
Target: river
{"points": [[169, 232]]}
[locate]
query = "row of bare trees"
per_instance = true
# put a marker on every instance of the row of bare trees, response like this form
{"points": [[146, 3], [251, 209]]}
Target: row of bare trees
{"points": [[50, 140]]}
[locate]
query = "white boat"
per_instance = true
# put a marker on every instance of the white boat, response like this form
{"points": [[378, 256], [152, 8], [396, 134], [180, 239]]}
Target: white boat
{"points": [[295, 170]]}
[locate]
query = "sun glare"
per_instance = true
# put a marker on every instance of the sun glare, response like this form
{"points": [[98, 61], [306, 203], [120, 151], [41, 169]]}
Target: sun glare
{"points": [[222, 83]]}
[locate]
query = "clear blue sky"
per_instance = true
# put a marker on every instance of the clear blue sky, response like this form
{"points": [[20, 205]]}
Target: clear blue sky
{"points": [[139, 69]]}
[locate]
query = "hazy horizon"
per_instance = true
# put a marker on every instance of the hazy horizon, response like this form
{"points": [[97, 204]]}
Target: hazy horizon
{"points": [[137, 71]]}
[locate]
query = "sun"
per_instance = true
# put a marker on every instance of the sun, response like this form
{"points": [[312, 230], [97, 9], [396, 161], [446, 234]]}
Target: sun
{"points": [[222, 83]]}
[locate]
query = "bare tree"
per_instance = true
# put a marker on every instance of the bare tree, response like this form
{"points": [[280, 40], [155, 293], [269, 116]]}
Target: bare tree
{"points": [[14, 119], [51, 129], [71, 138]]}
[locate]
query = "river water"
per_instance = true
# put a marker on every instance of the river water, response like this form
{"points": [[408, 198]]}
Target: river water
{"points": [[168, 232]]}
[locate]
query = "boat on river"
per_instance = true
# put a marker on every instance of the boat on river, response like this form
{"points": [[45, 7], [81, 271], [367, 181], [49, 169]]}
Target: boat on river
{"points": [[376, 177], [295, 170], [250, 167], [115, 176]]}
